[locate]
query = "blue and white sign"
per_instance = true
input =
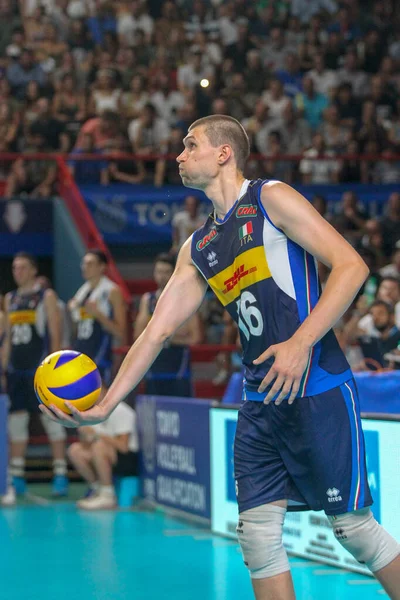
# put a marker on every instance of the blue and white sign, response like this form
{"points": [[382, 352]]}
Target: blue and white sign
{"points": [[175, 453], [138, 214], [309, 534]]}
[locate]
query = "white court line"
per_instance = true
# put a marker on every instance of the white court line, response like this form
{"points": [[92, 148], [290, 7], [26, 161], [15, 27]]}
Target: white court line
{"points": [[184, 532], [38, 500], [329, 571], [363, 582]]}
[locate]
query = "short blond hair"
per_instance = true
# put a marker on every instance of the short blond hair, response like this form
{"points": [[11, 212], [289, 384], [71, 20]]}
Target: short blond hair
{"points": [[222, 129]]}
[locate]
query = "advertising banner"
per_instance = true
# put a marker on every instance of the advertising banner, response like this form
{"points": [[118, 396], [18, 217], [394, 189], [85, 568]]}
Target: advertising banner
{"points": [[175, 453], [309, 534], [137, 214]]}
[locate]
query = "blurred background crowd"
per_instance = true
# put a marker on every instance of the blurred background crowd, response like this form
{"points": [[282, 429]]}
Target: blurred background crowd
{"points": [[305, 77]]}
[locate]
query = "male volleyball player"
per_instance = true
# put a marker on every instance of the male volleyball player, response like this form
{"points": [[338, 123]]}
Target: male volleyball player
{"points": [[98, 312], [33, 330], [299, 442]]}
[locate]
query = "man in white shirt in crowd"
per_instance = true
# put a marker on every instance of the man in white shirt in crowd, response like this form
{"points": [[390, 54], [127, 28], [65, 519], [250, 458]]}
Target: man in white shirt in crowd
{"points": [[106, 450], [185, 222]]}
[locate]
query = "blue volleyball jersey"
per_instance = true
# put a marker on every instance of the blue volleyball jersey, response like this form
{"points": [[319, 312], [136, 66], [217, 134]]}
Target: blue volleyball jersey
{"points": [[29, 337], [269, 285], [92, 338]]}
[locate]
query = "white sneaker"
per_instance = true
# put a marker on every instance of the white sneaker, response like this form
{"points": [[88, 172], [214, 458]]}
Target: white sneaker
{"points": [[100, 501], [10, 497]]}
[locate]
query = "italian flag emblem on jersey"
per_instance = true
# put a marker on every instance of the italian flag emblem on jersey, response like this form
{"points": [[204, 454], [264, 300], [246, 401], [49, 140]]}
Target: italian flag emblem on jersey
{"points": [[247, 229]]}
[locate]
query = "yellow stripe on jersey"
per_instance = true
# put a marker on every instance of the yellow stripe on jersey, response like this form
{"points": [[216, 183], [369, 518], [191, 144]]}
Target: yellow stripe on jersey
{"points": [[18, 317], [247, 268], [83, 314]]}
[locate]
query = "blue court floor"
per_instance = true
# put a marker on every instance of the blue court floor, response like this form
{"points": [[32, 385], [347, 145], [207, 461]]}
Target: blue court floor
{"points": [[53, 552]]}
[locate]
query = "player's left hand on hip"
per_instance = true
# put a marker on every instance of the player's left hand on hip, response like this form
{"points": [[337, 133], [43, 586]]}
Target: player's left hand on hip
{"points": [[285, 375]]}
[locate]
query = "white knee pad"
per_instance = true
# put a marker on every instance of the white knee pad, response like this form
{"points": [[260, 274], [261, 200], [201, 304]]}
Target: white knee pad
{"points": [[18, 426], [260, 536], [365, 539], [55, 432]]}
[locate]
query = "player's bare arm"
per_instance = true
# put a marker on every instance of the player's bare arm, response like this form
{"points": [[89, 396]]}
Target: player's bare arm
{"points": [[53, 319], [292, 213], [178, 302]]}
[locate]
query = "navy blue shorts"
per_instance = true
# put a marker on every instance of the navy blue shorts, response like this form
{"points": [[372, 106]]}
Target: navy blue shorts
{"points": [[21, 392], [310, 453]]}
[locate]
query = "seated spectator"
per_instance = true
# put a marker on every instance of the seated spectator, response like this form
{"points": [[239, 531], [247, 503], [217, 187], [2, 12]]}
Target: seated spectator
{"points": [[391, 220], [349, 109], [133, 101], [80, 42], [336, 136], [259, 125], [384, 98], [296, 133], [69, 105], [274, 50], [254, 73], [51, 129], [352, 75], [350, 169], [50, 46], [276, 169], [310, 104], [185, 222], [387, 170], [352, 218], [325, 80], [321, 170], [130, 18], [374, 242], [393, 269], [388, 292], [290, 76], [320, 205], [106, 450], [372, 51], [192, 72], [105, 95], [239, 49], [149, 136], [87, 171], [394, 128], [8, 127], [305, 10], [275, 98], [370, 130], [333, 50], [122, 169], [36, 177], [240, 104], [381, 338], [103, 130], [23, 70], [166, 101]]}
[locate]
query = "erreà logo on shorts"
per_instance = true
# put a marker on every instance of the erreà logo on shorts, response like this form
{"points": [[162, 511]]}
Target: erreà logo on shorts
{"points": [[333, 495], [246, 210], [201, 244]]}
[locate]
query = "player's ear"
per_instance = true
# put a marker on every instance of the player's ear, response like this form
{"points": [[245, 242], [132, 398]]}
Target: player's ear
{"points": [[225, 153]]}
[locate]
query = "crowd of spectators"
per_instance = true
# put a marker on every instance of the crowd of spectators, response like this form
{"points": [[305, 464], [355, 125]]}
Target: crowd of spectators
{"points": [[305, 77]]}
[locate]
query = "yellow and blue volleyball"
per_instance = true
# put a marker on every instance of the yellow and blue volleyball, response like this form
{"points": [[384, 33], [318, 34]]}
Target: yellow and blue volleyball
{"points": [[67, 375]]}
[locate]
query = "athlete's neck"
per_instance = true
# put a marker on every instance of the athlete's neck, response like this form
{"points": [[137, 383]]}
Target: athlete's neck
{"points": [[28, 288], [95, 281], [223, 193]]}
